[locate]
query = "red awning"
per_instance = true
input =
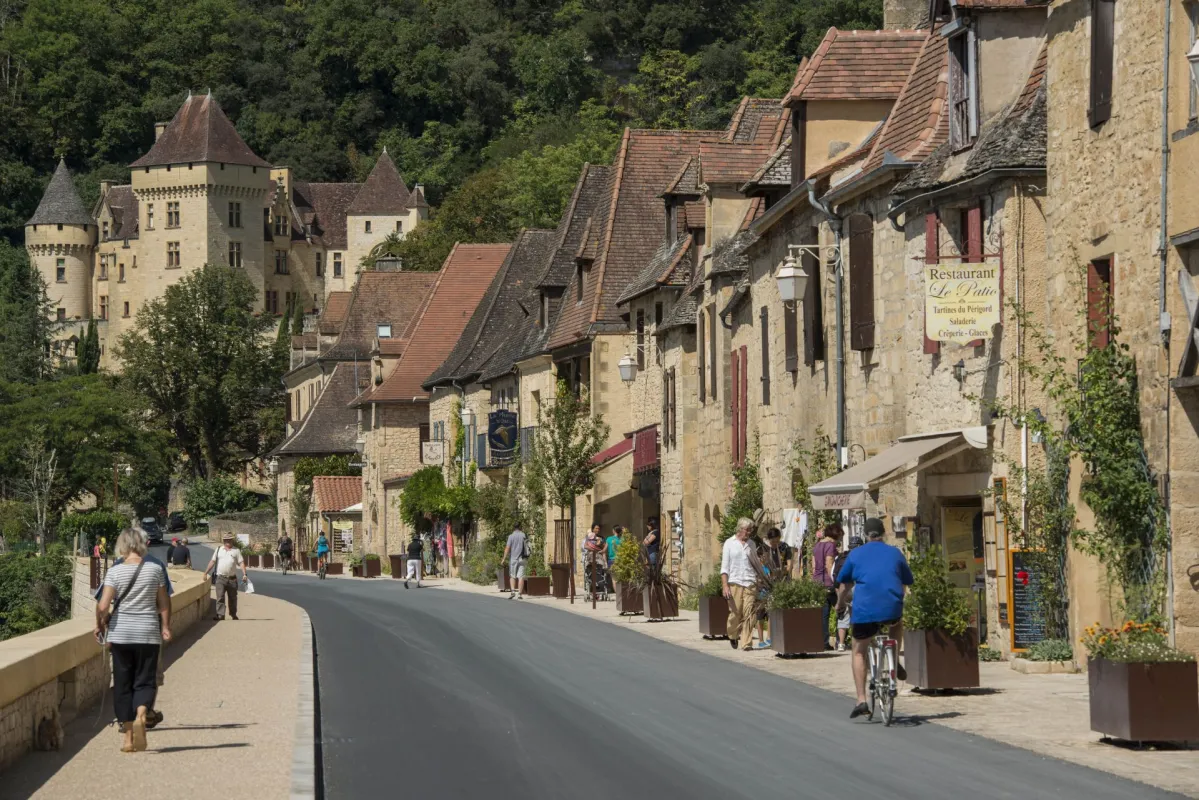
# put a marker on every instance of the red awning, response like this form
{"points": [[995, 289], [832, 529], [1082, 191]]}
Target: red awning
{"points": [[645, 449], [618, 449]]}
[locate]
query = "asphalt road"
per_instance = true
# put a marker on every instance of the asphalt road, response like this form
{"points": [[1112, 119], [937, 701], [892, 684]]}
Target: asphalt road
{"points": [[451, 695]]}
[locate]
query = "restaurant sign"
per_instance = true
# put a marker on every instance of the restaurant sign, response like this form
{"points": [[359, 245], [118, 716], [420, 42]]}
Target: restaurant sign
{"points": [[961, 301]]}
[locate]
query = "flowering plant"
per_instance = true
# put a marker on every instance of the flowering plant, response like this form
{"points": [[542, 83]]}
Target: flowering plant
{"points": [[1131, 642]]}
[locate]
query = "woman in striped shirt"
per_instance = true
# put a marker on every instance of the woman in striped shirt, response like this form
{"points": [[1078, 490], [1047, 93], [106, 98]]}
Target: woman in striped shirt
{"points": [[135, 593]]}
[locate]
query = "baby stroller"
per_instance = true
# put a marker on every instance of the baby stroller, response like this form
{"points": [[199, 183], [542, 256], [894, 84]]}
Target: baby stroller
{"points": [[595, 577]]}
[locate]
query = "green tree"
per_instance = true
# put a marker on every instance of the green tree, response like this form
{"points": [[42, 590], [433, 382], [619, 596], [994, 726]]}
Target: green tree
{"points": [[200, 358], [25, 312], [207, 497], [309, 467], [89, 351], [35, 591], [423, 497]]}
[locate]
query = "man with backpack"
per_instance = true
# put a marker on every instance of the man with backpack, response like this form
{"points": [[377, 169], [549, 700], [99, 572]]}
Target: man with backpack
{"points": [[516, 553]]}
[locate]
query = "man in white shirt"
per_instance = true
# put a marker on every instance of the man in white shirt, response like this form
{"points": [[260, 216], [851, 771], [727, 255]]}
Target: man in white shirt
{"points": [[225, 561], [739, 577]]}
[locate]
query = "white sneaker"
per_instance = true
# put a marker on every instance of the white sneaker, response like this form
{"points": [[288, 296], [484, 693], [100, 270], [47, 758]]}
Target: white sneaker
{"points": [[511, 595]]}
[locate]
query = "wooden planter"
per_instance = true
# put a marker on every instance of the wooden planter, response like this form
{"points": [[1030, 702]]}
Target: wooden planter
{"points": [[537, 587], [399, 566], [797, 630], [356, 570], [253, 561], [334, 569], [312, 564], [1142, 702], [936, 660], [374, 567], [660, 602], [714, 617], [268, 560], [628, 599], [304, 562], [561, 579]]}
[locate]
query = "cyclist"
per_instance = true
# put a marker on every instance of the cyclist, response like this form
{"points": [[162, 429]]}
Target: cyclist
{"points": [[285, 548], [878, 574], [322, 550]]}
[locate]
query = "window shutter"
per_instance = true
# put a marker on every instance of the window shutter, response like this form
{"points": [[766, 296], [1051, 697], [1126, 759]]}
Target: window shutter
{"points": [[791, 336], [665, 426], [733, 396], [1099, 302], [765, 356], [932, 254], [673, 405], [702, 360], [640, 339], [743, 404], [1103, 42], [813, 307], [713, 372], [973, 229], [861, 282]]}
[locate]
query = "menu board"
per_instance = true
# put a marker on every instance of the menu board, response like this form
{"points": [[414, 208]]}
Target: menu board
{"points": [[1027, 620]]}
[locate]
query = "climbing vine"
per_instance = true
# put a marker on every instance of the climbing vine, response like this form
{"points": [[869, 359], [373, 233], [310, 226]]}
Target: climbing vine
{"points": [[810, 464]]}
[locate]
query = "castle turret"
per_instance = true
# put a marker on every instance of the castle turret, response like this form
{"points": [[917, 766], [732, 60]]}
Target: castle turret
{"points": [[61, 240]]}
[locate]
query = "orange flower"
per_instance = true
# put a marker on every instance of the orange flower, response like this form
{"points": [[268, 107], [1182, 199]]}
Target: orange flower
{"points": [[1102, 640]]}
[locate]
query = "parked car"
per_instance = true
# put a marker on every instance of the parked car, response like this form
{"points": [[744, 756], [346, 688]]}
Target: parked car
{"points": [[152, 529], [176, 522]]}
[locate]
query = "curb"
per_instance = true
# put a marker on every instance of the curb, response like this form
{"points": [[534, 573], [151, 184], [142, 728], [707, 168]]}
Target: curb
{"points": [[303, 757]]}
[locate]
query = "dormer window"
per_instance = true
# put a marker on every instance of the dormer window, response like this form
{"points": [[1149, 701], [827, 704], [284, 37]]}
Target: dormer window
{"points": [[963, 89], [383, 331], [672, 222]]}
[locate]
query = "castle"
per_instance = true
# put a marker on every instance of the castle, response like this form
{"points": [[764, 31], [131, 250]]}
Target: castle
{"points": [[201, 195]]}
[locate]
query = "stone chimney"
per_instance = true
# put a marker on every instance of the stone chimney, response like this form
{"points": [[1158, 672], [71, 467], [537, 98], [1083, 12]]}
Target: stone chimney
{"points": [[159, 127], [105, 188], [904, 14], [389, 264]]}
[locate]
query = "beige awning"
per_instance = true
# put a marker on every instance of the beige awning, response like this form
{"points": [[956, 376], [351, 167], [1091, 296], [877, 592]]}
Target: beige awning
{"points": [[849, 489]]}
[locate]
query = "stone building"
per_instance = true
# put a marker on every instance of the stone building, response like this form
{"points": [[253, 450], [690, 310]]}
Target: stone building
{"points": [[201, 195]]}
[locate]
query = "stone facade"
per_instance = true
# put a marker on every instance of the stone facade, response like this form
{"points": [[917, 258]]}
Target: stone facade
{"points": [[392, 449]]}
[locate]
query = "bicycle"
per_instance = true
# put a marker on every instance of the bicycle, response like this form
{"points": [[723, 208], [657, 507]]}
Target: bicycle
{"points": [[284, 563], [884, 685], [320, 572]]}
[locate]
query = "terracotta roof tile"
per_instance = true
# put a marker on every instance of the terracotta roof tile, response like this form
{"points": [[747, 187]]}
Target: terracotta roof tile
{"points": [[336, 492], [388, 298], [774, 172], [670, 266], [464, 278], [686, 182], [333, 316], [731, 162], [916, 126], [384, 191], [391, 347], [756, 121], [696, 214], [200, 132], [61, 204], [857, 65], [331, 426], [323, 206]]}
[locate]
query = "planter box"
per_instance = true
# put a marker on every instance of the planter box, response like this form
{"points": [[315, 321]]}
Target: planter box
{"points": [[936, 660], [334, 569], [268, 560], [253, 561], [310, 563], [1144, 702], [399, 566], [714, 617], [797, 630], [628, 599], [1023, 665], [660, 602], [356, 571], [537, 587], [561, 579], [374, 567]]}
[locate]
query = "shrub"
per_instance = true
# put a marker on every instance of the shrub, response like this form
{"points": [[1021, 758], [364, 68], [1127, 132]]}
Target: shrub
{"points": [[208, 497], [934, 603], [1134, 642], [370, 557], [90, 526], [629, 567], [799, 593], [1050, 650], [35, 591], [985, 653], [712, 587], [482, 560], [747, 496]]}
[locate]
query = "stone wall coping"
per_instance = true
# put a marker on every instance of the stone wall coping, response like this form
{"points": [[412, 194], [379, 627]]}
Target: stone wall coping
{"points": [[32, 659]]}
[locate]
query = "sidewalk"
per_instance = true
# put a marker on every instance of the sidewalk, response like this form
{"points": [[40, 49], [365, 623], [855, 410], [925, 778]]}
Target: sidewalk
{"points": [[1048, 714], [230, 706]]}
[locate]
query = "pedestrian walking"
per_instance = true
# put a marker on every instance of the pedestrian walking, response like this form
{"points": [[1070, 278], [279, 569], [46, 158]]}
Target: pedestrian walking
{"points": [[223, 565], [652, 540], [739, 580], [775, 555], [134, 618], [516, 553], [824, 556], [182, 557], [414, 560]]}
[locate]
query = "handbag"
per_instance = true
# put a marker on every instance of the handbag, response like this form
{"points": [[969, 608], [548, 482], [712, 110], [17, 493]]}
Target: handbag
{"points": [[124, 593]]}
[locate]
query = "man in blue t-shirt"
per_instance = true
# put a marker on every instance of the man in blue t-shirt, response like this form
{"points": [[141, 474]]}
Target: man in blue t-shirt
{"points": [[878, 574]]}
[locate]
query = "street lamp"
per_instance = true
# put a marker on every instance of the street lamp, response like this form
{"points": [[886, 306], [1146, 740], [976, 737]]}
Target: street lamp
{"points": [[792, 278], [628, 368], [273, 465]]}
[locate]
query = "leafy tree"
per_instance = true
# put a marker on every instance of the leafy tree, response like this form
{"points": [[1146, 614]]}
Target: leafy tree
{"points": [[297, 319], [88, 356], [207, 497], [88, 527], [35, 591], [25, 326], [747, 495], [199, 357], [423, 497]]}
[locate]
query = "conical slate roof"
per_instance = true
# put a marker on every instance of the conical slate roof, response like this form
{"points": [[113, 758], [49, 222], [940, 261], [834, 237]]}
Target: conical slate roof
{"points": [[383, 193], [200, 132], [61, 204]]}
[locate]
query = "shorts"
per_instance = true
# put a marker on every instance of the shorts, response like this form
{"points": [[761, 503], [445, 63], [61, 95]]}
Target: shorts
{"points": [[516, 569], [868, 630], [843, 620]]}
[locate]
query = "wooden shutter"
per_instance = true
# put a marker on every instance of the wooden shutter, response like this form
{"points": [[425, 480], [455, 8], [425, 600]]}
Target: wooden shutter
{"points": [[861, 282], [640, 339], [1103, 44], [743, 404], [702, 359], [673, 405], [932, 254], [813, 306], [735, 428], [972, 230], [765, 320], [423, 429], [1099, 302], [791, 336], [665, 436], [713, 372]]}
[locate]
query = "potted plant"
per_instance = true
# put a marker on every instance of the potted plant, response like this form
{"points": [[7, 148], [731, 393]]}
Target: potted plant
{"points": [[265, 556], [251, 555], [372, 566], [1045, 657], [940, 647], [355, 565], [628, 571], [537, 583], [659, 592], [713, 609], [333, 567], [310, 562], [1141, 688], [796, 620]]}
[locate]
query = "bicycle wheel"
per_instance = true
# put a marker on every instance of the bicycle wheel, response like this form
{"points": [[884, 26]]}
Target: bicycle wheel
{"points": [[873, 678], [886, 687]]}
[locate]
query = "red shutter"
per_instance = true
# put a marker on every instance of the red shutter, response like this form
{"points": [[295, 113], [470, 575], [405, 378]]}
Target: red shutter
{"points": [[932, 254], [973, 228], [1099, 302], [701, 361], [733, 396], [742, 442], [861, 282]]}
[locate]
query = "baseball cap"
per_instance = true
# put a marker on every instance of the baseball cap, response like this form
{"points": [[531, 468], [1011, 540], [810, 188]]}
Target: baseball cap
{"points": [[874, 527]]}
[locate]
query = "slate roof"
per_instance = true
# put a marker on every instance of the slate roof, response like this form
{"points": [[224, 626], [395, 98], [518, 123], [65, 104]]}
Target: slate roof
{"points": [[125, 214], [384, 191], [336, 492], [331, 425], [632, 224], [498, 314], [857, 65], [333, 316], [1013, 138], [682, 314], [61, 204], [322, 207], [417, 198], [464, 278], [523, 328], [775, 171], [670, 266], [728, 256], [757, 121], [200, 132], [687, 181], [390, 298], [590, 190]]}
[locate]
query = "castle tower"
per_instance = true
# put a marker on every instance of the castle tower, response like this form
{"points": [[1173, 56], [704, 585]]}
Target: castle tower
{"points": [[61, 240], [383, 206]]}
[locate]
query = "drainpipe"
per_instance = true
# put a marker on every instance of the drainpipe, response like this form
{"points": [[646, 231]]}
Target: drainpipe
{"points": [[1163, 314], [835, 223]]}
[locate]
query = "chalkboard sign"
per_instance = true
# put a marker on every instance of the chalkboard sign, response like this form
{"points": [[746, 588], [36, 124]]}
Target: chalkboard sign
{"points": [[1026, 618]]}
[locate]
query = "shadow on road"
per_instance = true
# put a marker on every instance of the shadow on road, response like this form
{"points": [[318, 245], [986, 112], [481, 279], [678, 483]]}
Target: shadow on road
{"points": [[185, 748]]}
